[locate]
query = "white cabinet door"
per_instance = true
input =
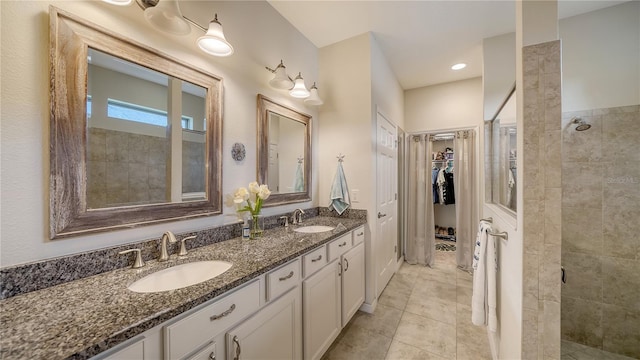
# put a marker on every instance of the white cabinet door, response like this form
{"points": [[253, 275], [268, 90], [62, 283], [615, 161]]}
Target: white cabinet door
{"points": [[275, 332], [208, 353], [352, 282], [322, 310]]}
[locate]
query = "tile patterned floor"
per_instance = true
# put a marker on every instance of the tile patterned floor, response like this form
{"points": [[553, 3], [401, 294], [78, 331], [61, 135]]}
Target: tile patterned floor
{"points": [[423, 313], [575, 351]]}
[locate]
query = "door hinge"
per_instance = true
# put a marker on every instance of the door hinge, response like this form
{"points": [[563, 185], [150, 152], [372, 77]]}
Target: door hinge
{"points": [[396, 196], [395, 249]]}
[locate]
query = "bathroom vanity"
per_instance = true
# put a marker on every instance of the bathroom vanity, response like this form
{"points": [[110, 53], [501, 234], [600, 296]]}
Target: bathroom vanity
{"points": [[285, 292]]}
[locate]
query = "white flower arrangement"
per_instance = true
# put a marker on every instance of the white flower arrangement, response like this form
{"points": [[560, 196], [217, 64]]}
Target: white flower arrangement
{"points": [[250, 200]]}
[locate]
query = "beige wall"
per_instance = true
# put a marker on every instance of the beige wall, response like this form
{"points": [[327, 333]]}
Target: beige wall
{"points": [[444, 106], [601, 58], [498, 71], [360, 84], [256, 31]]}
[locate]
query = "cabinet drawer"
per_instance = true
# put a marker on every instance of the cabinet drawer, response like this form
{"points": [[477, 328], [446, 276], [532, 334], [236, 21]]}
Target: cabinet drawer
{"points": [[282, 279], [133, 351], [190, 333], [314, 260], [358, 236], [339, 246]]}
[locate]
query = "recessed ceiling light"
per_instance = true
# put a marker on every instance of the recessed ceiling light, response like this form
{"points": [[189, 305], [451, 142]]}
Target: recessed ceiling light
{"points": [[459, 66]]}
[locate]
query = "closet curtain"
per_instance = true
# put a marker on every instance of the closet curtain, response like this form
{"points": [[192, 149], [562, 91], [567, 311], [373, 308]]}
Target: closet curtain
{"points": [[464, 181], [421, 244]]}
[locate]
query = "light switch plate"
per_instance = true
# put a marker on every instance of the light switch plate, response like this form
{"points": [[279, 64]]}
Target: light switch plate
{"points": [[355, 195]]}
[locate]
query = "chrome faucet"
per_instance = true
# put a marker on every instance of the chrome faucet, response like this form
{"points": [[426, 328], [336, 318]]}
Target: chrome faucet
{"points": [[297, 220], [164, 256]]}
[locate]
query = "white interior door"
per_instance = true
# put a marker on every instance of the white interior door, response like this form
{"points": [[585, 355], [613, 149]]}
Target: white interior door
{"points": [[387, 221]]}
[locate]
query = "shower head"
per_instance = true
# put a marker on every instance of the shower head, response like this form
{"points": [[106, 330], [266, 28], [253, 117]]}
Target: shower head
{"points": [[582, 125]]}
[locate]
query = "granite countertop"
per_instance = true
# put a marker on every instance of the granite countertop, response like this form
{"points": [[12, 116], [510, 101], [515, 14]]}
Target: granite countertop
{"points": [[85, 317]]}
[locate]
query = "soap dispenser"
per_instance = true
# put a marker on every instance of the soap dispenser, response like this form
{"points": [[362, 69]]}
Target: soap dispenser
{"points": [[245, 229]]}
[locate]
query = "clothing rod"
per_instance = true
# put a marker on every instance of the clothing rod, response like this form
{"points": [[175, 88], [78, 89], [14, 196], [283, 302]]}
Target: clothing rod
{"points": [[442, 131], [489, 219], [502, 235], [443, 138]]}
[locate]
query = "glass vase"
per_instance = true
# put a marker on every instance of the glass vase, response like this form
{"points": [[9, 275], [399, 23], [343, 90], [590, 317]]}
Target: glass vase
{"points": [[256, 226]]}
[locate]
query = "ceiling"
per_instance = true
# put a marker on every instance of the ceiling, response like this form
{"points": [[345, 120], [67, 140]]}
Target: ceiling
{"points": [[420, 39]]}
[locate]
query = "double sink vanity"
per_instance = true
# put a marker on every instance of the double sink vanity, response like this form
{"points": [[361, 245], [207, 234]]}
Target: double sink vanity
{"points": [[286, 295]]}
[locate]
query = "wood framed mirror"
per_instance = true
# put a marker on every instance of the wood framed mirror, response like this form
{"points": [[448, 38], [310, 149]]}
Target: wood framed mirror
{"points": [[135, 135], [284, 152]]}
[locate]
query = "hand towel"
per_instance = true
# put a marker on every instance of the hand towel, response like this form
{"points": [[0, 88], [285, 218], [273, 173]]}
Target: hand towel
{"points": [[485, 265], [298, 184], [339, 192]]}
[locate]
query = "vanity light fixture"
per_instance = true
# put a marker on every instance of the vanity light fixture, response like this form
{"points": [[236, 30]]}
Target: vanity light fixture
{"points": [[119, 2], [165, 15], [214, 42], [459, 66], [314, 98], [299, 89], [281, 80]]}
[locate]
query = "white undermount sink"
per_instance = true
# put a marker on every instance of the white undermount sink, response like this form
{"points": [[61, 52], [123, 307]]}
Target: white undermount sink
{"points": [[313, 229], [180, 276]]}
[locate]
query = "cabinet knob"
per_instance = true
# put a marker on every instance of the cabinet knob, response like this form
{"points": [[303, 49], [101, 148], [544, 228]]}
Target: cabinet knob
{"points": [[212, 356], [343, 244]]}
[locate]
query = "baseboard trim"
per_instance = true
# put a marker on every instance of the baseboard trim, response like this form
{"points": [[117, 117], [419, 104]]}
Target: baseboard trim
{"points": [[369, 308]]}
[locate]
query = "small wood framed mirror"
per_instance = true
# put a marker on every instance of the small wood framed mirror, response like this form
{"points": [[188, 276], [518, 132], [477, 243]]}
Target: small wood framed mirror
{"points": [[284, 152]]}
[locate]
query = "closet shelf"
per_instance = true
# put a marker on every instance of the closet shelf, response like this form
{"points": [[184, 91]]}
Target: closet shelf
{"points": [[446, 237]]}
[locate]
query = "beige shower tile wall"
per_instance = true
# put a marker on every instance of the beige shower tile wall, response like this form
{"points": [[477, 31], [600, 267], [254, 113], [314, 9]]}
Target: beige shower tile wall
{"points": [[193, 166], [601, 229], [124, 168], [542, 195]]}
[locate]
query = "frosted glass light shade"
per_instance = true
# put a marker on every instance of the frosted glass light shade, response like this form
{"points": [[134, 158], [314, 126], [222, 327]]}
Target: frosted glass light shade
{"points": [[166, 16], [214, 42], [119, 2], [281, 80], [314, 98], [299, 89]]}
